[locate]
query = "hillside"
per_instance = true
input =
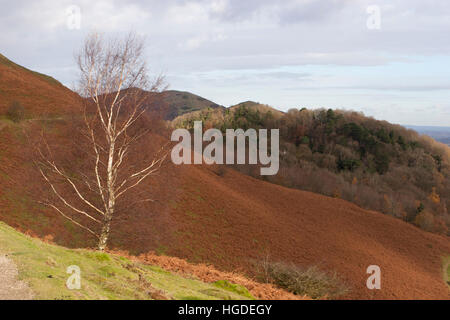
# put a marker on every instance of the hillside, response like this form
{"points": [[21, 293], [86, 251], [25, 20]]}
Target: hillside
{"points": [[231, 220], [257, 107], [43, 96], [239, 116], [219, 220], [180, 102], [40, 94], [103, 276], [343, 154]]}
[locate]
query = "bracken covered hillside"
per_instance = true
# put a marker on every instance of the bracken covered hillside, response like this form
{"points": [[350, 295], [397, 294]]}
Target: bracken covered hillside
{"points": [[342, 154], [39, 94], [221, 216]]}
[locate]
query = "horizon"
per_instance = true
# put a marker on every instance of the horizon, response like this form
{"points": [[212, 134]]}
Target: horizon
{"points": [[384, 59], [406, 125]]}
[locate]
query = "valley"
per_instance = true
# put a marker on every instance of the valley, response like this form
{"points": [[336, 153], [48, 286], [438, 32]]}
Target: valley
{"points": [[216, 216]]}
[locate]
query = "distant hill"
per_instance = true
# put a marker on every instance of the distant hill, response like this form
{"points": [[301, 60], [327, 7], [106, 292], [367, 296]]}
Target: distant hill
{"points": [[180, 102], [38, 93], [255, 106], [239, 115], [441, 134]]}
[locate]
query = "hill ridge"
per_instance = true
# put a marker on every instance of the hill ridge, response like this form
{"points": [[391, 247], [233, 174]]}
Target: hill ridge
{"points": [[38, 93]]}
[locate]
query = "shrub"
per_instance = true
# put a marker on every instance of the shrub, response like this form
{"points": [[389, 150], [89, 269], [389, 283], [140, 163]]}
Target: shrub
{"points": [[425, 221], [302, 281], [16, 112], [219, 170]]}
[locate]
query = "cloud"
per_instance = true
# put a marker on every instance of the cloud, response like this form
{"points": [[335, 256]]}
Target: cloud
{"points": [[377, 87], [276, 32], [259, 40]]}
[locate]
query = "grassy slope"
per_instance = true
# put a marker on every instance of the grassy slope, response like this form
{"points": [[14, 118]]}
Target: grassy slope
{"points": [[446, 264], [104, 276]]}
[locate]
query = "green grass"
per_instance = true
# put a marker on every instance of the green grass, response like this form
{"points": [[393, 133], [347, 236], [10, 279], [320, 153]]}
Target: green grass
{"points": [[448, 271], [103, 276], [232, 287], [446, 266]]}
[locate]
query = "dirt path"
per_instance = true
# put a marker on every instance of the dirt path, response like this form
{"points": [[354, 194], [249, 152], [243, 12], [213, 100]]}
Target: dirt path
{"points": [[11, 288]]}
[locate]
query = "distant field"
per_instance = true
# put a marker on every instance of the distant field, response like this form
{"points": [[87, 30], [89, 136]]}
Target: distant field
{"points": [[441, 134]]}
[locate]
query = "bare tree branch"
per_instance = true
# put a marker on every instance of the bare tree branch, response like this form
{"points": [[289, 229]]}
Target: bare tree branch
{"points": [[69, 218], [113, 77]]}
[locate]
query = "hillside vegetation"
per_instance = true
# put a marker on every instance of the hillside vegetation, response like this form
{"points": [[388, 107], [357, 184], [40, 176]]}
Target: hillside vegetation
{"points": [[235, 116], [343, 154], [103, 276], [39, 94]]}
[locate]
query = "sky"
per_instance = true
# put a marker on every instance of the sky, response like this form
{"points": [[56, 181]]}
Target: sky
{"points": [[389, 59]]}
